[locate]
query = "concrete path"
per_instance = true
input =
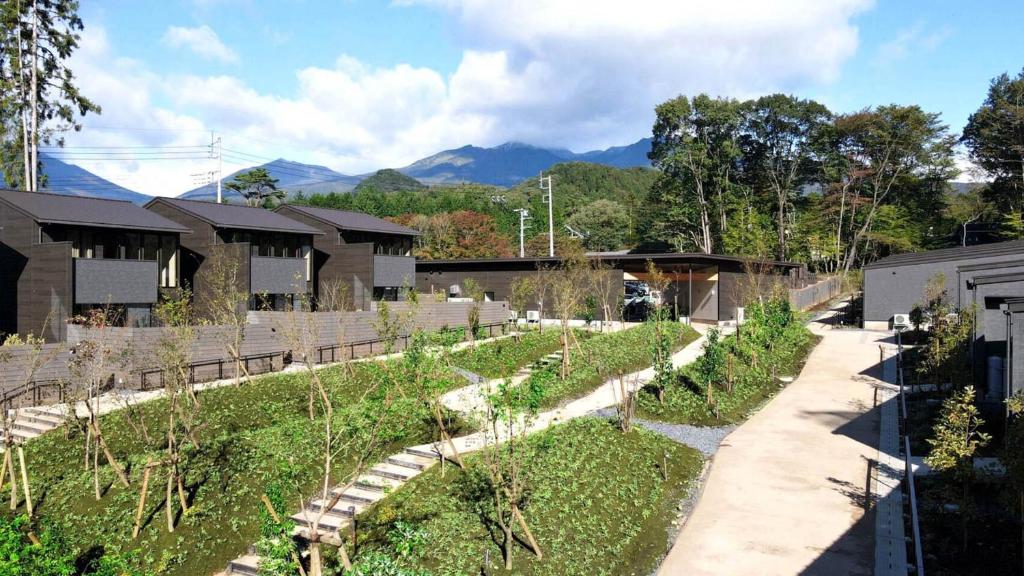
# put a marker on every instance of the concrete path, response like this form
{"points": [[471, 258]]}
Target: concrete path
{"points": [[787, 490]]}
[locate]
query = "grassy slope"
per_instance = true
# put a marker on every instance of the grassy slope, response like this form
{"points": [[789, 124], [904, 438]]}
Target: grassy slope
{"points": [[605, 355], [254, 436], [598, 505], [501, 358]]}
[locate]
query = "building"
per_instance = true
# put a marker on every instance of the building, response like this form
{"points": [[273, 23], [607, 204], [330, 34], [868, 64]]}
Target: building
{"points": [[271, 254], [704, 287], [61, 256], [1013, 370], [894, 285], [372, 256]]}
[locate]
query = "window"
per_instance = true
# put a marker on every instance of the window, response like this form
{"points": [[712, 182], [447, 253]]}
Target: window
{"points": [[388, 293], [488, 296], [168, 262], [150, 246]]}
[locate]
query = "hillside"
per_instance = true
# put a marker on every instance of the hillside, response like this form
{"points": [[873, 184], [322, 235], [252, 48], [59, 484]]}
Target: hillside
{"points": [[389, 180], [71, 180], [292, 177], [514, 162]]}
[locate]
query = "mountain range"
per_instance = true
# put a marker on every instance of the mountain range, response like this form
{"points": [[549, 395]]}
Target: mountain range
{"points": [[504, 165]]}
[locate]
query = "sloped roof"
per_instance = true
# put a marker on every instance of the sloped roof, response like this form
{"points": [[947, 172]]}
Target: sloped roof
{"points": [[47, 208], [346, 220], [236, 216], [946, 254]]}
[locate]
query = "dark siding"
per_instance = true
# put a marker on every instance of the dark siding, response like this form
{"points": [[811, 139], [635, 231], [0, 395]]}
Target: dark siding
{"points": [[892, 290], [48, 282], [17, 234], [354, 264]]}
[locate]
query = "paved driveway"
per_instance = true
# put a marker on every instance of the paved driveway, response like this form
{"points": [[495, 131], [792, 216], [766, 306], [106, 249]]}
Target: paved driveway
{"points": [[786, 493]]}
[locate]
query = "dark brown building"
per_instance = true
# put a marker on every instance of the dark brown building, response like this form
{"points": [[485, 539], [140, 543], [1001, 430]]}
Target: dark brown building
{"points": [[271, 253], [61, 256], [371, 255], [704, 287]]}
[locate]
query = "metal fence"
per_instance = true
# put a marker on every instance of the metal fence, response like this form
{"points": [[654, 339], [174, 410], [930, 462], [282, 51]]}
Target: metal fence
{"points": [[908, 466]]}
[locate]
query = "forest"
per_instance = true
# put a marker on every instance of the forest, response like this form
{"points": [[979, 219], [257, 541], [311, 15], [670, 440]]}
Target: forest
{"points": [[773, 177]]}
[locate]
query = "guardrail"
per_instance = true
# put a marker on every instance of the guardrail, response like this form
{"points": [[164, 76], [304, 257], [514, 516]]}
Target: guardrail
{"points": [[915, 524], [245, 361], [335, 349]]}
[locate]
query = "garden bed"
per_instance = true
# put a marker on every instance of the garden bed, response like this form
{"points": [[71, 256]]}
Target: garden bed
{"points": [[598, 504], [686, 401], [603, 357], [252, 438]]}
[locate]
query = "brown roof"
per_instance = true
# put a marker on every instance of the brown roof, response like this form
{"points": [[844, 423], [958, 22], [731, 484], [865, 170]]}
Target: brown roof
{"points": [[47, 208], [236, 216], [346, 220]]}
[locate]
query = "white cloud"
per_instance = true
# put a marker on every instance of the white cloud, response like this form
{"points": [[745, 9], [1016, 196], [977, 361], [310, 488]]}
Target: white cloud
{"points": [[201, 40], [578, 74], [909, 41]]}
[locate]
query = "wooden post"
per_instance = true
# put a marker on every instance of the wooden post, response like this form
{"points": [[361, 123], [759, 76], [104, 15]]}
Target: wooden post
{"points": [[273, 514], [529, 535], [24, 481], [142, 497]]}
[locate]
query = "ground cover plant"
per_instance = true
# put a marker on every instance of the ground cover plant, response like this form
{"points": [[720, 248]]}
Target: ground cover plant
{"points": [[605, 356], [501, 358], [736, 374], [599, 502], [255, 439]]}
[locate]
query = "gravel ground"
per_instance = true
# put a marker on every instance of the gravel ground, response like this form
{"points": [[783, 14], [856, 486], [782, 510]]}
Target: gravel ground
{"points": [[703, 438]]}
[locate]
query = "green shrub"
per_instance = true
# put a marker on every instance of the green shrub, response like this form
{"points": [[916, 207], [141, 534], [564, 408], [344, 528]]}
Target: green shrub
{"points": [[773, 341], [604, 356]]}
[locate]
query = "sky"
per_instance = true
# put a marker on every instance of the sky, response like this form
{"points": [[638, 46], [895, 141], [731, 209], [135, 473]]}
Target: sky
{"points": [[356, 85]]}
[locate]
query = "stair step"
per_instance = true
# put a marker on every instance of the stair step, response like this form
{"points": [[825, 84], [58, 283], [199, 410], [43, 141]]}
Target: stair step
{"points": [[327, 522], [394, 472], [54, 411], [411, 461], [427, 451], [41, 418], [23, 434], [379, 484], [340, 509], [248, 565], [31, 427], [359, 494]]}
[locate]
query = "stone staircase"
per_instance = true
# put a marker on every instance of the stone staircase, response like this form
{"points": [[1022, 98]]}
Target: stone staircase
{"points": [[29, 423]]}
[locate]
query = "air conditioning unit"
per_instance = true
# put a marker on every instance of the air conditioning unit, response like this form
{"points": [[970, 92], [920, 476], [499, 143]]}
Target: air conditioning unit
{"points": [[532, 316], [901, 322]]}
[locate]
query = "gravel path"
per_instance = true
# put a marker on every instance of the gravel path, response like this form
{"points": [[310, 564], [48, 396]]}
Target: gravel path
{"points": [[703, 438]]}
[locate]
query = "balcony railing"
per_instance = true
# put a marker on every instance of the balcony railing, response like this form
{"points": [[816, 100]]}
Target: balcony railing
{"points": [[277, 275], [101, 281], [394, 270]]}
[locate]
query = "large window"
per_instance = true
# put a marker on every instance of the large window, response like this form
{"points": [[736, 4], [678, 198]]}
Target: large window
{"points": [[383, 244], [110, 244], [268, 244]]}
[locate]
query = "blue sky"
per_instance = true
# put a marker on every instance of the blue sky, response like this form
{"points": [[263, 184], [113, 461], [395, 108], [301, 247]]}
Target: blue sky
{"points": [[359, 85]]}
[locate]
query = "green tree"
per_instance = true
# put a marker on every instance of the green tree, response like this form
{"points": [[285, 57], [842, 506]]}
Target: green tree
{"points": [[958, 437], [780, 132], [389, 180], [965, 208], [695, 147], [994, 137], [39, 99], [898, 151], [604, 224], [258, 188]]}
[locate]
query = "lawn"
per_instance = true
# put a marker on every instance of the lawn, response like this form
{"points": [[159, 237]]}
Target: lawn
{"points": [[604, 356], [252, 438], [599, 503]]}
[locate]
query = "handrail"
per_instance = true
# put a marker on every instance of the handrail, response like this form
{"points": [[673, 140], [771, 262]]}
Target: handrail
{"points": [[915, 524]]}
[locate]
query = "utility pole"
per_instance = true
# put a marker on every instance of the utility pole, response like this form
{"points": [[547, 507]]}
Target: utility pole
{"points": [[34, 131], [216, 143], [547, 186], [524, 215]]}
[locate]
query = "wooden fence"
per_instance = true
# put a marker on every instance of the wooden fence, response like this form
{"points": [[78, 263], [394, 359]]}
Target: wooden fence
{"points": [[339, 335], [817, 293]]}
